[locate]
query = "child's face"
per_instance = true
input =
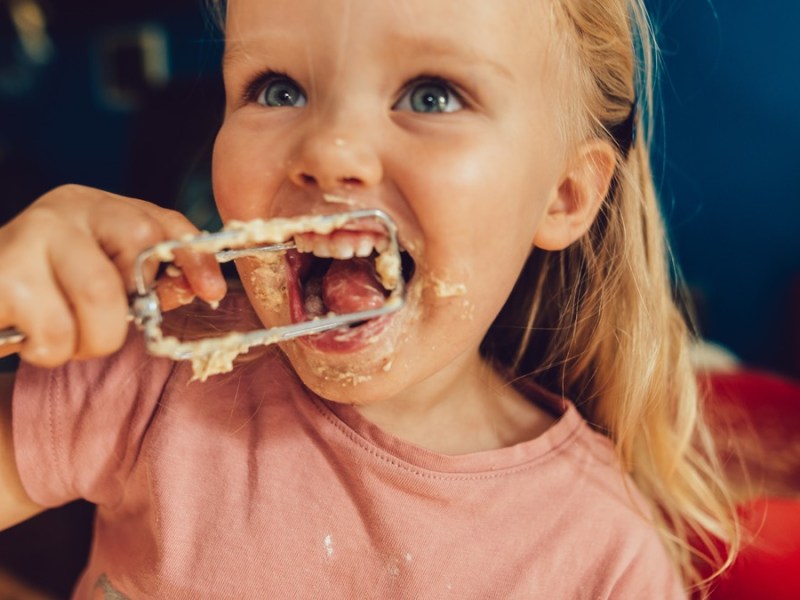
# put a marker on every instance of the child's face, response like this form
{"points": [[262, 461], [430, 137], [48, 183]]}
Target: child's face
{"points": [[439, 112]]}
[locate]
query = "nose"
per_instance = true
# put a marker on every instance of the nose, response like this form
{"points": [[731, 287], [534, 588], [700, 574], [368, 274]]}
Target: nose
{"points": [[334, 155]]}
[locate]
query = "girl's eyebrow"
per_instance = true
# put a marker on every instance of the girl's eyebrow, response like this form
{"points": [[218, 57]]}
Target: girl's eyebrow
{"points": [[234, 51], [443, 48], [240, 49], [413, 45]]}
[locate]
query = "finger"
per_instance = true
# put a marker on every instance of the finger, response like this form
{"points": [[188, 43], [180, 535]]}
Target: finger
{"points": [[200, 269], [123, 230], [203, 274], [30, 300], [96, 293], [40, 311], [9, 349], [174, 292], [7, 326], [145, 225]]}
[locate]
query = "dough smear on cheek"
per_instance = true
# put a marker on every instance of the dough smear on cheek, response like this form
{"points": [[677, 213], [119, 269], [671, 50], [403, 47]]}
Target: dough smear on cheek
{"points": [[444, 285], [447, 283], [345, 377], [268, 282], [448, 289]]}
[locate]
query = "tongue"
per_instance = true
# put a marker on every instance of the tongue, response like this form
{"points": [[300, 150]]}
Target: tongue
{"points": [[352, 286]]}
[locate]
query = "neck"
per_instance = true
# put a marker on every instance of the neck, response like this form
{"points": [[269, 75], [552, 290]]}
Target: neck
{"points": [[459, 410]]}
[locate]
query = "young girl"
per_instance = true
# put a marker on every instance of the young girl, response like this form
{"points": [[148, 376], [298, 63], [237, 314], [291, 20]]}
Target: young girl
{"points": [[527, 426]]}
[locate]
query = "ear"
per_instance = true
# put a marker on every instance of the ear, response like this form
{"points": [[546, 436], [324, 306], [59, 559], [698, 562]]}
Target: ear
{"points": [[579, 196]]}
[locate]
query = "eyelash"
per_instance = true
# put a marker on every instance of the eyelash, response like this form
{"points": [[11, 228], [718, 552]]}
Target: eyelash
{"points": [[257, 85], [451, 88]]}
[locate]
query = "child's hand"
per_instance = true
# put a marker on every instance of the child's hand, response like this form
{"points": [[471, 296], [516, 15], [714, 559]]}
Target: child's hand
{"points": [[66, 268]]}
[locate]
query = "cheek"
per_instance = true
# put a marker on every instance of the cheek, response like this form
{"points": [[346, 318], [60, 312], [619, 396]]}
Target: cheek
{"points": [[265, 282], [223, 172], [480, 208], [478, 182], [245, 173]]}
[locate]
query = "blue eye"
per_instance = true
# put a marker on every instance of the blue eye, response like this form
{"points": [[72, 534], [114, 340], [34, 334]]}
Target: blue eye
{"points": [[281, 91], [429, 96]]}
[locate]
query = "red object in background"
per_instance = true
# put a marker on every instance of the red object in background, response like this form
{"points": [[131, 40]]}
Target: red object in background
{"points": [[768, 568], [764, 409]]}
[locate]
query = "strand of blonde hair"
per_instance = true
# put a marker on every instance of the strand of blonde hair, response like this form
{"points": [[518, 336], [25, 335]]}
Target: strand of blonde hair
{"points": [[611, 336]]}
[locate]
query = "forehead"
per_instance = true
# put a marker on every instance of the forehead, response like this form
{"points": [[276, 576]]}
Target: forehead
{"points": [[509, 33]]}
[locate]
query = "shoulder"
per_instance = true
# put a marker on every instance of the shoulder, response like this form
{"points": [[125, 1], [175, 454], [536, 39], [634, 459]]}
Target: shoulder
{"points": [[611, 524], [603, 515], [632, 559]]}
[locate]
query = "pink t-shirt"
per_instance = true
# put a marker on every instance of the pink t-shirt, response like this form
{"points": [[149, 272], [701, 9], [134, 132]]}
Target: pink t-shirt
{"points": [[249, 486]]}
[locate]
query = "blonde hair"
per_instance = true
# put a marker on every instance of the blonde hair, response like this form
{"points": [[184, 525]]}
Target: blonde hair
{"points": [[601, 324], [597, 322]]}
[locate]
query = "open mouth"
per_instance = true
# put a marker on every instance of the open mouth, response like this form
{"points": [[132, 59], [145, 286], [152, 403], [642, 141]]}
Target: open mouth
{"points": [[341, 273]]}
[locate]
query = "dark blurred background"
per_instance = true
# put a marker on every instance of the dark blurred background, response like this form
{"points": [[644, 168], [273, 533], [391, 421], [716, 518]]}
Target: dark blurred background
{"points": [[730, 169], [126, 96]]}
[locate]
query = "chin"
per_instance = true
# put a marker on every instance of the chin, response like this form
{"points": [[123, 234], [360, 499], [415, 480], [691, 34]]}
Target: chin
{"points": [[366, 375]]}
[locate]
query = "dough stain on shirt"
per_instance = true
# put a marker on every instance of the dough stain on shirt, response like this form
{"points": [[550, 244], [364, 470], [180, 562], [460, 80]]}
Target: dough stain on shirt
{"points": [[393, 567]]}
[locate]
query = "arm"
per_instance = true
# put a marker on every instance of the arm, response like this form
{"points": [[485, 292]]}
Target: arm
{"points": [[15, 504], [66, 267]]}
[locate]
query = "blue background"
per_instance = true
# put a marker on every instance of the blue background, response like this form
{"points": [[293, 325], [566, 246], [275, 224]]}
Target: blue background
{"points": [[731, 168], [727, 158]]}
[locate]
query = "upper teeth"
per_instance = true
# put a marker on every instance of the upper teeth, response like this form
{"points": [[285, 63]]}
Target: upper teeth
{"points": [[341, 245]]}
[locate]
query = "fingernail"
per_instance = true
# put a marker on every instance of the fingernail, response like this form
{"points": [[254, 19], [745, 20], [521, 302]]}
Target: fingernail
{"points": [[215, 287]]}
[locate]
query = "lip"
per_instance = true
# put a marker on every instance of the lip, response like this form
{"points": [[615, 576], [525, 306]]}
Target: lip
{"points": [[342, 340]]}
